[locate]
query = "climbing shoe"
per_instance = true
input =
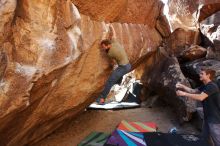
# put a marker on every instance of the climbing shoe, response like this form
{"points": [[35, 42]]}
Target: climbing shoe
{"points": [[100, 101]]}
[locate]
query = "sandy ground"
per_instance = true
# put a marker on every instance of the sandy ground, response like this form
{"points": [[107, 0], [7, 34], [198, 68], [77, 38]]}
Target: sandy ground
{"points": [[106, 121]]}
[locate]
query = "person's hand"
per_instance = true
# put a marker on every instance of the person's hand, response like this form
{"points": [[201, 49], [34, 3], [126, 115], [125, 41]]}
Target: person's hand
{"points": [[179, 85], [115, 66], [110, 28], [180, 93]]}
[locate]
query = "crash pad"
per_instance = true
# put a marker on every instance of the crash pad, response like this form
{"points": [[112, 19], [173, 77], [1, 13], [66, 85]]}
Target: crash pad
{"points": [[137, 126], [125, 138], [94, 139], [114, 105]]}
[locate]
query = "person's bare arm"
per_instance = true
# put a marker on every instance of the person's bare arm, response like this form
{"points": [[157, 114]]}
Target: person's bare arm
{"points": [[187, 89], [199, 97], [112, 34], [109, 33]]}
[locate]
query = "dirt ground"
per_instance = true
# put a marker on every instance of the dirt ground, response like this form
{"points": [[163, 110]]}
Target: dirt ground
{"points": [[106, 121]]}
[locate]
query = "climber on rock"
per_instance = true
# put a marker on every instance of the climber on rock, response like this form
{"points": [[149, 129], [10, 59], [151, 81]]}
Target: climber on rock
{"points": [[118, 54], [209, 94]]}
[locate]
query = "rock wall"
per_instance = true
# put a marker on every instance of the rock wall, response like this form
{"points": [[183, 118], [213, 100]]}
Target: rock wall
{"points": [[162, 73], [210, 28], [187, 13], [51, 66], [195, 40]]}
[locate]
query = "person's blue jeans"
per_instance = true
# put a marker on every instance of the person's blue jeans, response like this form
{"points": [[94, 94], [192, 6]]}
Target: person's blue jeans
{"points": [[115, 76], [215, 133], [212, 131]]}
